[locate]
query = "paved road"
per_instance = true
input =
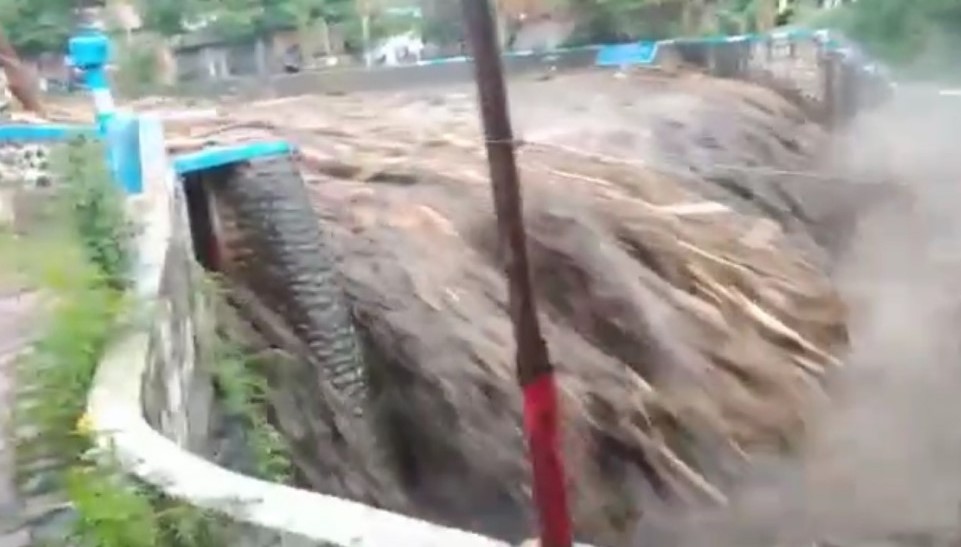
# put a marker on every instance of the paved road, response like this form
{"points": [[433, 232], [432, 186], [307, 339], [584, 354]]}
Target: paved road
{"points": [[16, 314]]}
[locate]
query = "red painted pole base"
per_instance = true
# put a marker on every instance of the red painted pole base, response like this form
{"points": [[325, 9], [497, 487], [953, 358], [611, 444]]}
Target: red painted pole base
{"points": [[541, 419]]}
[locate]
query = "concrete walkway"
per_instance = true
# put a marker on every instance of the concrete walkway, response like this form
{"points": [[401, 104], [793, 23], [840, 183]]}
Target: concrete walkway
{"points": [[16, 314]]}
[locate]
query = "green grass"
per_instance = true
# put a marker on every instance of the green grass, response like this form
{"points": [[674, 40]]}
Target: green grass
{"points": [[80, 261]]}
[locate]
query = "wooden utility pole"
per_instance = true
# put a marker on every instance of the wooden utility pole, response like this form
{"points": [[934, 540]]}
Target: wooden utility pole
{"points": [[534, 370]]}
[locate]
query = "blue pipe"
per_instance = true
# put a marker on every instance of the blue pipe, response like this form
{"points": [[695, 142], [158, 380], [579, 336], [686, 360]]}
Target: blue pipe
{"points": [[89, 51]]}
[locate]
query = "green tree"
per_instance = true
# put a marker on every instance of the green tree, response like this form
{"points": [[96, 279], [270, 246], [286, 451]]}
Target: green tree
{"points": [[167, 17], [622, 20], [241, 18], [36, 26], [925, 34], [443, 22]]}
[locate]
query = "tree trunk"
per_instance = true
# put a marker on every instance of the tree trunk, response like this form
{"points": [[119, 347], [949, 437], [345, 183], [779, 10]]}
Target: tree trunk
{"points": [[766, 15], [325, 32], [692, 17], [21, 81]]}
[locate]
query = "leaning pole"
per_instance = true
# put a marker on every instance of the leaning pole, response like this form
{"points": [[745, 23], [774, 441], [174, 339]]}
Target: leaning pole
{"points": [[534, 370]]}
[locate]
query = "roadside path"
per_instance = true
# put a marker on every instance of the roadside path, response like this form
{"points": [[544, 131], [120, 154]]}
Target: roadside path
{"points": [[16, 314]]}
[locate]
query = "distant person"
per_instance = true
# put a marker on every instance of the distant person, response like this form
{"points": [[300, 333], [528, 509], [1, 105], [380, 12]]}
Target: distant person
{"points": [[293, 60], [74, 79]]}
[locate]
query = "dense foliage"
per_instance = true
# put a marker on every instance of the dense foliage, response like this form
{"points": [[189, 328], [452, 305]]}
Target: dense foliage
{"points": [[922, 34], [37, 26], [40, 26], [242, 17], [915, 32]]}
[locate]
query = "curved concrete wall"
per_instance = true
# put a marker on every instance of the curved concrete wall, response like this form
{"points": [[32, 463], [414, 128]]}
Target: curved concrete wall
{"points": [[150, 399]]}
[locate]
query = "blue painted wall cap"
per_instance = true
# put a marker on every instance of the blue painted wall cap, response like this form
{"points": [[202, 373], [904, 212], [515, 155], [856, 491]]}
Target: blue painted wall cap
{"points": [[90, 48]]}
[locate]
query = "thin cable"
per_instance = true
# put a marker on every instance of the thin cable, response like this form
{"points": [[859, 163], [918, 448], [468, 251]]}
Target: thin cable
{"points": [[689, 173]]}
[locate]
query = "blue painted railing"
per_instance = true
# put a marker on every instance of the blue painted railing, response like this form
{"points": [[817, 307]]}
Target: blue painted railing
{"points": [[216, 156], [46, 133], [645, 52], [89, 51]]}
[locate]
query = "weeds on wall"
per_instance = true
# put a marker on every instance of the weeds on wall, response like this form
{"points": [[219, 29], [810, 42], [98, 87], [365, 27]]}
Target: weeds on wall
{"points": [[114, 511], [94, 209], [244, 394], [81, 261]]}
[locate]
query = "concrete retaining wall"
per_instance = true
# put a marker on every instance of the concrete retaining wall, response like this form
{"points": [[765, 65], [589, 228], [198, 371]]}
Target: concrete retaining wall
{"points": [[177, 388], [820, 70], [348, 80]]}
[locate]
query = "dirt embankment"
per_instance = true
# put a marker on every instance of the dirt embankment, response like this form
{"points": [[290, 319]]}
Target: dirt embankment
{"points": [[683, 288]]}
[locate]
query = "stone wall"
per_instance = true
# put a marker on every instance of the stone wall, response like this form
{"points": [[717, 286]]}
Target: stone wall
{"points": [[23, 175], [177, 387]]}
